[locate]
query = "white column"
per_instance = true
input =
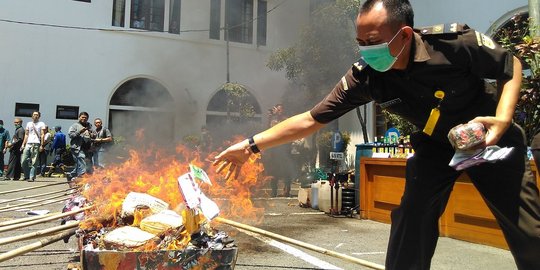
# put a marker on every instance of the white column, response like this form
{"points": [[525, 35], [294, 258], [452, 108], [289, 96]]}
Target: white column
{"points": [[167, 15], [127, 15]]}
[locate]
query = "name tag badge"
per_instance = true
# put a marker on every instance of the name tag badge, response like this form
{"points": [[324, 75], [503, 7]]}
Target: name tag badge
{"points": [[432, 121], [434, 115], [389, 103]]}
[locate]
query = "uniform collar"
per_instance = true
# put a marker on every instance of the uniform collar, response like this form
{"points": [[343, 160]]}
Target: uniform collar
{"points": [[420, 52]]}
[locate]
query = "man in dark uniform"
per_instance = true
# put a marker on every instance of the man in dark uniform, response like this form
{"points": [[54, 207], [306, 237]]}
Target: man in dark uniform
{"points": [[14, 166], [433, 77]]}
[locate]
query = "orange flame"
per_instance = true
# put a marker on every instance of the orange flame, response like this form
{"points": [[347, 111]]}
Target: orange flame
{"points": [[155, 171]]}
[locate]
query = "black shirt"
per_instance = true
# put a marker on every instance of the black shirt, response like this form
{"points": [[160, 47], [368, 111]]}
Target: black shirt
{"points": [[455, 61]]}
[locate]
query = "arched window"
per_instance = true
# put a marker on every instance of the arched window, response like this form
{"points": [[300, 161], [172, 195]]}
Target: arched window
{"points": [[512, 20], [233, 110], [143, 105], [513, 32]]}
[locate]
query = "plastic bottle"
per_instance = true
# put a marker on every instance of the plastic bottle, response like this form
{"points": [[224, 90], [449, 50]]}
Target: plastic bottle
{"points": [[324, 197], [315, 195]]}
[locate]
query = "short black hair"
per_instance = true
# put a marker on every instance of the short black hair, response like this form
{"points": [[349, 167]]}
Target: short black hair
{"points": [[399, 11], [83, 113]]}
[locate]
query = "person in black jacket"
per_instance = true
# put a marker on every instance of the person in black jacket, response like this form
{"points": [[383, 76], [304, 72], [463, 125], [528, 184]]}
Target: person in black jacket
{"points": [[81, 136], [14, 166]]}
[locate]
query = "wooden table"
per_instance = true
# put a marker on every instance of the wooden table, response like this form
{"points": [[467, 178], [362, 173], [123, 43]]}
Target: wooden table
{"points": [[467, 217]]}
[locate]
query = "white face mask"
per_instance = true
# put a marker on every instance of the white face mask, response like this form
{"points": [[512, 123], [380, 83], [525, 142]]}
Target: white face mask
{"points": [[378, 56]]}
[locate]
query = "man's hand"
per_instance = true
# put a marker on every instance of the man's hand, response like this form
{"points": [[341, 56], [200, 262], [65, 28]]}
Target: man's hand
{"points": [[232, 159], [494, 126]]}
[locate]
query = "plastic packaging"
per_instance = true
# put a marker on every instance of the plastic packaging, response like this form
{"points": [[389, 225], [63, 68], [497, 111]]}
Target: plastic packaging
{"points": [[324, 197], [466, 136], [315, 195], [304, 196]]}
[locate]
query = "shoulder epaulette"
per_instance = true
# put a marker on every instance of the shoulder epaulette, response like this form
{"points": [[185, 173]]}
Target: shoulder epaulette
{"points": [[447, 28], [360, 65]]}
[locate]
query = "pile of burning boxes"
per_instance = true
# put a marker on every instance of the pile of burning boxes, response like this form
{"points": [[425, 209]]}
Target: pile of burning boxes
{"points": [[148, 235]]}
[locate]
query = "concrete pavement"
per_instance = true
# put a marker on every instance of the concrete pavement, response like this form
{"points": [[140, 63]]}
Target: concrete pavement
{"points": [[363, 239]]}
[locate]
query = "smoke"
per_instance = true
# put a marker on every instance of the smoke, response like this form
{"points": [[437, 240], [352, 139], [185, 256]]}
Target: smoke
{"points": [[149, 109]]}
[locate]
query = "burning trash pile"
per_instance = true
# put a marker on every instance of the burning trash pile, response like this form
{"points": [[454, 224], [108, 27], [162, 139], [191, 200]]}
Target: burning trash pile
{"points": [[144, 231]]}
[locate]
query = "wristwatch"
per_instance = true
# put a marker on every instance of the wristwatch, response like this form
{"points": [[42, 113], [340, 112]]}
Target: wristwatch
{"points": [[252, 146]]}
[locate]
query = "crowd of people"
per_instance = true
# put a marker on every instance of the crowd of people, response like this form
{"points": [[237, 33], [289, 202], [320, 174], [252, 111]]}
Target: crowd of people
{"points": [[33, 143]]}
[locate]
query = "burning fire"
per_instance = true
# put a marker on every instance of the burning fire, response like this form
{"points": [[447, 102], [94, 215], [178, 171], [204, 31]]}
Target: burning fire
{"points": [[155, 172]]}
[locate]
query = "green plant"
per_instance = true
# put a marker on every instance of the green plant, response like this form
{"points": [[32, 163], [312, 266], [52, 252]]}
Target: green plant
{"points": [[405, 127], [324, 140], [325, 50], [515, 36], [237, 101]]}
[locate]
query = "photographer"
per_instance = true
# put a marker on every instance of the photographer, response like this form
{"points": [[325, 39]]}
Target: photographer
{"points": [[100, 143], [81, 136]]}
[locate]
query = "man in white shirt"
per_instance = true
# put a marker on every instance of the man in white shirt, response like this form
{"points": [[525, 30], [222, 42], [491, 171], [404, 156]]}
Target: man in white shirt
{"points": [[32, 145]]}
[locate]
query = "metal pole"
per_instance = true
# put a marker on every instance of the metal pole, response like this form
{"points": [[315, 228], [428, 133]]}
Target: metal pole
{"points": [[21, 220], [36, 245], [29, 188], [33, 205], [227, 38], [534, 16], [46, 219], [34, 196], [41, 233]]}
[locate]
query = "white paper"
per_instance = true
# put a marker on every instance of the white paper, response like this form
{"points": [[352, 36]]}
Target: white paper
{"points": [[190, 190], [380, 155], [37, 212], [195, 198]]}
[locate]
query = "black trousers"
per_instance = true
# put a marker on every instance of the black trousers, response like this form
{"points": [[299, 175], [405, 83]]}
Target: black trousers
{"points": [[2, 162], [508, 188], [14, 165]]}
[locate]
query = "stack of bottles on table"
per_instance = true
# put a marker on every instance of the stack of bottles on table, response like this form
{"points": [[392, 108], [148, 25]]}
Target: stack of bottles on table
{"points": [[396, 147]]}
